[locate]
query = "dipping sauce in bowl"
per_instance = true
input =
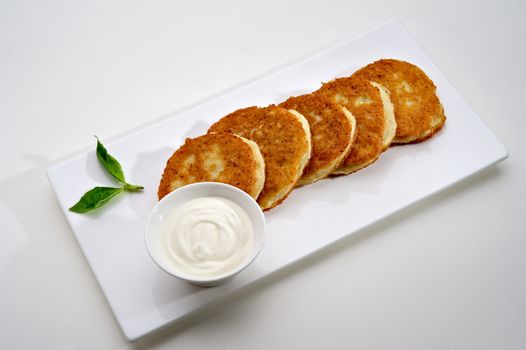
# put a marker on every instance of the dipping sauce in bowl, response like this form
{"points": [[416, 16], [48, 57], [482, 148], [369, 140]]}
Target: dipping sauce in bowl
{"points": [[205, 233], [208, 236]]}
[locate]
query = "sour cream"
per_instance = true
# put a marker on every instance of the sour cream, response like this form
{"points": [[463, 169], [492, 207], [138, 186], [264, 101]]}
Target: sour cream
{"points": [[207, 236]]}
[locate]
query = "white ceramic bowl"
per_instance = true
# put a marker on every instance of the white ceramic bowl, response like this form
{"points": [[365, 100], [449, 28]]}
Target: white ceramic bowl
{"points": [[198, 190]]}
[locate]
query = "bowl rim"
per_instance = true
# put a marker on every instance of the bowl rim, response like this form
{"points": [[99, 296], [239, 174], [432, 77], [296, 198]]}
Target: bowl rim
{"points": [[224, 187]]}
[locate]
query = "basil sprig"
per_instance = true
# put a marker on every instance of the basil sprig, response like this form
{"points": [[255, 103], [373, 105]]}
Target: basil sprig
{"points": [[98, 196]]}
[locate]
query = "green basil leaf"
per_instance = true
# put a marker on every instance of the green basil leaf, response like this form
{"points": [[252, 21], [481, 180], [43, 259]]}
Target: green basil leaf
{"points": [[110, 164], [95, 198]]}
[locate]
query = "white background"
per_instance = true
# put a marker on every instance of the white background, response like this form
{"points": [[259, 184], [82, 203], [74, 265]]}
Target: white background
{"points": [[449, 272]]}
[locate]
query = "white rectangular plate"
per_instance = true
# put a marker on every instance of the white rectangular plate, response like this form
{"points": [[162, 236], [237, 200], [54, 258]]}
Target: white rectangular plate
{"points": [[143, 298]]}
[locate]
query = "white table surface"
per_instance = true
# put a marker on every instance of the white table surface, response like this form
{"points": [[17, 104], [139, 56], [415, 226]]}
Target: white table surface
{"points": [[448, 272]]}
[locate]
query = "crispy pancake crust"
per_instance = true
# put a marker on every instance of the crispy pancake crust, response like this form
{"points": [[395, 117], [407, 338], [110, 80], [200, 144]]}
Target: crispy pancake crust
{"points": [[332, 134], [217, 157], [364, 102], [284, 140], [419, 114]]}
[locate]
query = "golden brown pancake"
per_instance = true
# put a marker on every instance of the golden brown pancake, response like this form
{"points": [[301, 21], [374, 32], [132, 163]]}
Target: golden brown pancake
{"points": [[363, 100], [284, 140], [419, 114], [217, 157], [332, 129]]}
